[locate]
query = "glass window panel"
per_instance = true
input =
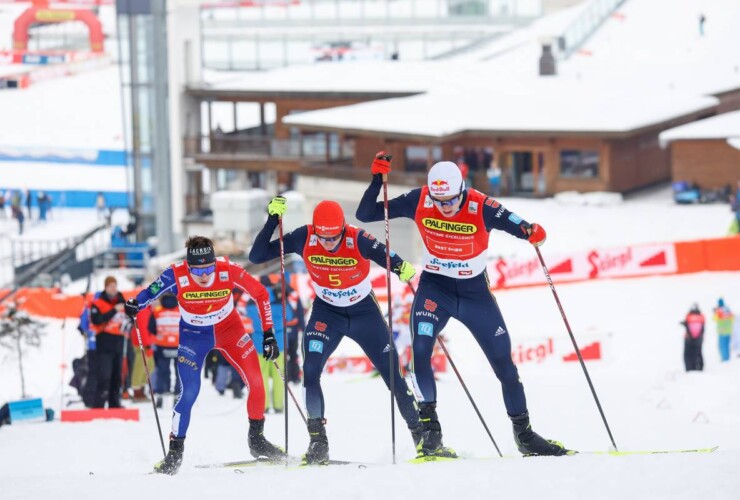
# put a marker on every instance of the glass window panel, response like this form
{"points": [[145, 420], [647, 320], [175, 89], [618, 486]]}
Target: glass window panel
{"points": [[579, 163]]}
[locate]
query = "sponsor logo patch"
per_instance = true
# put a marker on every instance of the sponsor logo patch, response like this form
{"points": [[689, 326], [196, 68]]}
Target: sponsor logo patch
{"points": [[473, 207], [439, 187], [428, 202], [350, 242], [156, 287], [449, 227], [492, 203], [320, 326], [514, 218], [223, 275], [184, 281], [187, 362], [248, 351], [316, 346], [426, 329], [206, 294], [244, 340], [325, 260], [430, 305]]}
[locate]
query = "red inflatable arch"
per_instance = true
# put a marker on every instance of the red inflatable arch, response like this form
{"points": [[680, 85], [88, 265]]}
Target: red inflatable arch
{"points": [[41, 13]]}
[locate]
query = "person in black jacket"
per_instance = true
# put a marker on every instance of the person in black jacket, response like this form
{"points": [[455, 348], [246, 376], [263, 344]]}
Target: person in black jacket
{"points": [[693, 339], [110, 324]]}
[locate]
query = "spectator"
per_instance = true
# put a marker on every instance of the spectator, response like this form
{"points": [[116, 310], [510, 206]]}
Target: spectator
{"points": [[494, 179], [2, 205], [88, 390], [693, 338], [227, 377], [18, 215], [44, 202], [735, 205], [725, 321], [109, 323], [29, 203], [138, 372], [164, 325], [100, 205], [294, 328], [274, 387]]}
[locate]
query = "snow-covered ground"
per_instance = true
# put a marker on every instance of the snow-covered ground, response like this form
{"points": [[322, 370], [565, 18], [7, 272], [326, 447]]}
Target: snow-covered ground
{"points": [[649, 401]]}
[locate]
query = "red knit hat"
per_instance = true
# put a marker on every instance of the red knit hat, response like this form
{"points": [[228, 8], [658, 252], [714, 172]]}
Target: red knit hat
{"points": [[328, 218]]}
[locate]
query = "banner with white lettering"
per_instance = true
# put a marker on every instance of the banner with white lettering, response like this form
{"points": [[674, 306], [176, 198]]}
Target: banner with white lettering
{"points": [[618, 262]]}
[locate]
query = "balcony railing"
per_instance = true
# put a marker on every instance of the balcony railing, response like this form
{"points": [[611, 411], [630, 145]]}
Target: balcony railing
{"points": [[309, 153], [258, 146]]}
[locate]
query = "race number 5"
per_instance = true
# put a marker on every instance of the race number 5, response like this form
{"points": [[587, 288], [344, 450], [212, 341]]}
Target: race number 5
{"points": [[334, 280]]}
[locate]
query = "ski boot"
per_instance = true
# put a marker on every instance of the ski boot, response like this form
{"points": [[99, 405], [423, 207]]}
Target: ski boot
{"points": [[430, 444], [416, 434], [318, 448], [258, 445], [530, 443], [171, 463]]}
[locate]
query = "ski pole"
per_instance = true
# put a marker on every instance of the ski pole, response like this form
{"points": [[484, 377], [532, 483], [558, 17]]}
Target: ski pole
{"points": [[391, 346], [63, 364], [149, 381], [285, 340], [465, 387], [575, 345], [292, 396]]}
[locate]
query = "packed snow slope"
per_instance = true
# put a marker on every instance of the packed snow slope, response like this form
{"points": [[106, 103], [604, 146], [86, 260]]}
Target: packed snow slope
{"points": [[649, 401]]}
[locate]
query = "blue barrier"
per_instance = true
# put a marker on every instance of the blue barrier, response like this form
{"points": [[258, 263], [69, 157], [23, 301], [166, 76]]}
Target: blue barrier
{"points": [[28, 409]]}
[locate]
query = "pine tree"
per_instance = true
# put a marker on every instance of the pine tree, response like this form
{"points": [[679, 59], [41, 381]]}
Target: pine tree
{"points": [[17, 329]]}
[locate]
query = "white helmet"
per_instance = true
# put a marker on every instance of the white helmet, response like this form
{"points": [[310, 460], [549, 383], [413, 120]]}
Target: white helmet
{"points": [[445, 179]]}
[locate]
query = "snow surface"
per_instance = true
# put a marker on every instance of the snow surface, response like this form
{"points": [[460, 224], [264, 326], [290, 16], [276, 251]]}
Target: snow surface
{"points": [[649, 401]]}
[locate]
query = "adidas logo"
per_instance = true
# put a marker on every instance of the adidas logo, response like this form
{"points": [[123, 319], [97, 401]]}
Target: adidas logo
{"points": [[387, 348], [500, 331]]}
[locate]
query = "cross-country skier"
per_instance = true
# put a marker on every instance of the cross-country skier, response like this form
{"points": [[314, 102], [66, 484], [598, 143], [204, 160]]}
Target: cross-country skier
{"points": [[338, 257], [203, 285], [454, 223]]}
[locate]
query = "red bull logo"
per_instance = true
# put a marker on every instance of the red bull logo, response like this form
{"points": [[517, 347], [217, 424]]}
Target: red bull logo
{"points": [[439, 187]]}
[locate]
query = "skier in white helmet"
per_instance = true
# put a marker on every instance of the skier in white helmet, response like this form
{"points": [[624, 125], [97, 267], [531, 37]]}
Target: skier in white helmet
{"points": [[454, 222]]}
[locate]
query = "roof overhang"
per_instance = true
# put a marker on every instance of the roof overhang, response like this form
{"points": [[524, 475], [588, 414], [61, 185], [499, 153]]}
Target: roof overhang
{"points": [[232, 95]]}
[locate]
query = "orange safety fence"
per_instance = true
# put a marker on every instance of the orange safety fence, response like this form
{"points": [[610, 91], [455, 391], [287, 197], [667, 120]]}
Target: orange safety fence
{"points": [[714, 255]]}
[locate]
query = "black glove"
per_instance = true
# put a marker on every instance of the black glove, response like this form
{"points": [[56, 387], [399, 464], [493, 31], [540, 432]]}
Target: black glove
{"points": [[270, 349], [131, 307]]}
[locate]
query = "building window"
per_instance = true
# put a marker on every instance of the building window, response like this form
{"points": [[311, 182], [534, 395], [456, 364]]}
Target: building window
{"points": [[417, 157], [579, 163]]}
